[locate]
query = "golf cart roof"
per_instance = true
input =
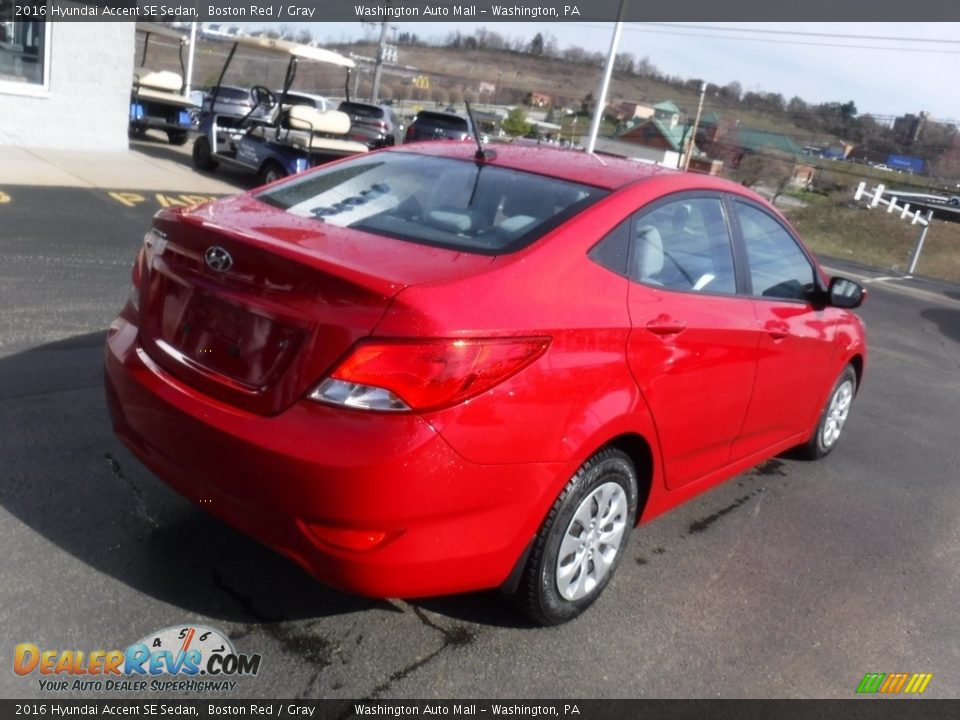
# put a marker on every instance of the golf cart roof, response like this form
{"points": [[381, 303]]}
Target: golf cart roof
{"points": [[286, 47], [162, 30]]}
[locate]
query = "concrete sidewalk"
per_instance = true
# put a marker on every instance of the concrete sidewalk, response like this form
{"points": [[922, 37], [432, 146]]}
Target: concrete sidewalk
{"points": [[147, 165]]}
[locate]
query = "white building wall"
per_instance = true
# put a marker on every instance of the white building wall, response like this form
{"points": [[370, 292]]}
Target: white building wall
{"points": [[87, 104], [667, 158]]}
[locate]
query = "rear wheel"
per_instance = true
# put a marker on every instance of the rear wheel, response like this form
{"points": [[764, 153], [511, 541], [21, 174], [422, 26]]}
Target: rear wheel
{"points": [[271, 172], [580, 543], [202, 157], [178, 137], [833, 418]]}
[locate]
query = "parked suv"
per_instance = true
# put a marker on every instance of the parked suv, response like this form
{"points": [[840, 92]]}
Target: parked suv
{"points": [[231, 101], [432, 125], [375, 125]]}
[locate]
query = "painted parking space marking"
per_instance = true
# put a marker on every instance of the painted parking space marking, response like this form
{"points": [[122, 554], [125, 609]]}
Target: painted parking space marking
{"points": [[163, 200], [4, 198]]}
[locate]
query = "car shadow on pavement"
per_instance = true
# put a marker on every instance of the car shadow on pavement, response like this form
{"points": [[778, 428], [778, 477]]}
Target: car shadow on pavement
{"points": [[70, 480], [947, 320], [490, 608]]}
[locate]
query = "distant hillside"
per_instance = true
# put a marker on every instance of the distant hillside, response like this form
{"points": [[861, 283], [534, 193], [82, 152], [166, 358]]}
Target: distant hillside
{"points": [[517, 74], [514, 75]]}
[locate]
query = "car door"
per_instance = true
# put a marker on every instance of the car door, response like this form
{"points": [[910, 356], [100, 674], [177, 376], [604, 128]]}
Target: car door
{"points": [[693, 343], [796, 342]]}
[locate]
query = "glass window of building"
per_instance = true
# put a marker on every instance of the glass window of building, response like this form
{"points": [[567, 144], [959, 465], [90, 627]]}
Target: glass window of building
{"points": [[23, 56]]}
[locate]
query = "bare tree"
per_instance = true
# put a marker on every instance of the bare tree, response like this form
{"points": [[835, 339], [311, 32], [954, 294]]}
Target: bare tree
{"points": [[732, 91], [770, 169], [401, 91], [536, 45], [440, 95]]}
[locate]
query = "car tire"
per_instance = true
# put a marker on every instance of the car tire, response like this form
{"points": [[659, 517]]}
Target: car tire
{"points": [[178, 137], [202, 157], [271, 172], [581, 541], [833, 417]]}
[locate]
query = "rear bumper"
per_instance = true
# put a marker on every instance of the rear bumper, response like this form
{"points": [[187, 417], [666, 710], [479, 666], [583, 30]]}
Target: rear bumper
{"points": [[449, 525]]}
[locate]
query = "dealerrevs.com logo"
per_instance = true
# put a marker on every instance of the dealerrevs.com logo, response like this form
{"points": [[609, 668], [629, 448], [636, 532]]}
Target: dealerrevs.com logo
{"points": [[186, 658], [894, 683]]}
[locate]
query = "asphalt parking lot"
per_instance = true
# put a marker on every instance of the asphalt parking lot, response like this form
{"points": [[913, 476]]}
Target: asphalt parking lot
{"points": [[792, 580]]}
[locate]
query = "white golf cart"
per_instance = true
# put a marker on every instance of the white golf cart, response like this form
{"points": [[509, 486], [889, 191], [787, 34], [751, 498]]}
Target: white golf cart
{"points": [[157, 99], [276, 138]]}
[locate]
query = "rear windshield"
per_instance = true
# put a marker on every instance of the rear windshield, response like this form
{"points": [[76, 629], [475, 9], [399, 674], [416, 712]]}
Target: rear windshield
{"points": [[449, 122], [367, 111], [456, 204]]}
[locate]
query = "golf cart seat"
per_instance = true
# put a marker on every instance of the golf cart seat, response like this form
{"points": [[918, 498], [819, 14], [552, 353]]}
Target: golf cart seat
{"points": [[163, 86], [310, 129], [327, 122], [162, 80]]}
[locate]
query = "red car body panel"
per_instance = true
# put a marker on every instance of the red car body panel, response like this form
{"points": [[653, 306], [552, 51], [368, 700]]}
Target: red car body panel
{"points": [[207, 380]]}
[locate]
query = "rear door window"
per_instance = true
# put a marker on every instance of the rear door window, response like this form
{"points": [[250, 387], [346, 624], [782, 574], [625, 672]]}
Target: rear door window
{"points": [[684, 245]]}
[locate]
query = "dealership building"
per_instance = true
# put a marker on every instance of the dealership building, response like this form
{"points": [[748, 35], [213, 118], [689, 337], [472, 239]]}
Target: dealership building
{"points": [[64, 84]]}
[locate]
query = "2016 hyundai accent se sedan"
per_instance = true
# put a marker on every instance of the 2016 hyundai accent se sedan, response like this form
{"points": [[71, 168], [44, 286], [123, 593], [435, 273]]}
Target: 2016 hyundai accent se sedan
{"points": [[431, 370]]}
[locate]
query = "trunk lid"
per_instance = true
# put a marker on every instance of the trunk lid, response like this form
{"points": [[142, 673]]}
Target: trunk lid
{"points": [[294, 296]]}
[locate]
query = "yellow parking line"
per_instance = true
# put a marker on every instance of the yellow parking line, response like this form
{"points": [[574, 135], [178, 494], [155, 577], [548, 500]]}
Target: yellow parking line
{"points": [[132, 199]]}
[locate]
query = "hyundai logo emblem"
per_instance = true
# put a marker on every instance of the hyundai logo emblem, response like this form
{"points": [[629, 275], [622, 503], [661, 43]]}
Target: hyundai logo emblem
{"points": [[218, 259]]}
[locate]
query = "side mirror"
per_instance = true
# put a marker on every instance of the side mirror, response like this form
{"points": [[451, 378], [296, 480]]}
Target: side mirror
{"points": [[844, 293]]}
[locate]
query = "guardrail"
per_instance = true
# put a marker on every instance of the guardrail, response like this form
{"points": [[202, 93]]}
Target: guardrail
{"points": [[876, 199]]}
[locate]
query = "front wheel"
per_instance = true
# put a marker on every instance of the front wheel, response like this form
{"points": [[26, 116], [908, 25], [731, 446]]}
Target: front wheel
{"points": [[581, 541], [833, 418]]}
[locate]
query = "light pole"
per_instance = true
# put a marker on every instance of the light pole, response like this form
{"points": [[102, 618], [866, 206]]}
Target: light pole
{"points": [[605, 85]]}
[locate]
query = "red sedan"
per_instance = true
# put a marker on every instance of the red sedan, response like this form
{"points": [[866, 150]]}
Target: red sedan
{"points": [[428, 370]]}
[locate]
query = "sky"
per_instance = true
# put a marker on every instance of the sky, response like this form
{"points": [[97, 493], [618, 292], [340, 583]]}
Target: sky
{"points": [[886, 69]]}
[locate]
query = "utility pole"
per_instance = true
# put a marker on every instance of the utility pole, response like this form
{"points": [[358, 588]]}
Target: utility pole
{"points": [[378, 68], [691, 143]]}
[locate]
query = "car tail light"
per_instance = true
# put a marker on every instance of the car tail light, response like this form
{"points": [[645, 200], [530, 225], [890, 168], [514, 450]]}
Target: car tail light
{"points": [[427, 375], [410, 132]]}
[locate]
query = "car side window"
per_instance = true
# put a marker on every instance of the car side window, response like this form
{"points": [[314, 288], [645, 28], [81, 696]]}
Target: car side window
{"points": [[778, 267], [684, 245]]}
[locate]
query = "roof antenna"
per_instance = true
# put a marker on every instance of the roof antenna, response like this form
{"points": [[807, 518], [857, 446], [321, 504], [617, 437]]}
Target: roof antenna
{"points": [[481, 155]]}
